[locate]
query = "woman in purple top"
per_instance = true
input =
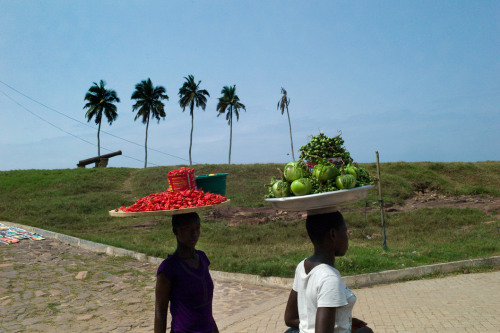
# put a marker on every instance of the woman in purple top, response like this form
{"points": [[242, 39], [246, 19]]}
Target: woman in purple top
{"points": [[183, 280]]}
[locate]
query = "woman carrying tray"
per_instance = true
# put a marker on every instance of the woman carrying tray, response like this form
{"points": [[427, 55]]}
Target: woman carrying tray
{"points": [[320, 301], [183, 280]]}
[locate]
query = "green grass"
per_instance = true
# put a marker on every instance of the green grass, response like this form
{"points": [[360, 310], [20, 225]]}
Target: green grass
{"points": [[76, 202]]}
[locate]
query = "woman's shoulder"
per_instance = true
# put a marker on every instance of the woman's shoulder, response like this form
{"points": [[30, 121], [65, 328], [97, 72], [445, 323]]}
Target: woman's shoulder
{"points": [[326, 272], [329, 270], [170, 259], [203, 256], [201, 253], [300, 267], [167, 263], [329, 275]]}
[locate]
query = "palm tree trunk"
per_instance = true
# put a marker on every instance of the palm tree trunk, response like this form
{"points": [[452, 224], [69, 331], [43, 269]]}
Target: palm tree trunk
{"points": [[290, 126], [146, 145], [99, 140], [191, 138], [230, 131]]}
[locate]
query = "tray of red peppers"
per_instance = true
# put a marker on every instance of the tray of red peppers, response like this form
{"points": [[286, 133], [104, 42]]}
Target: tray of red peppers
{"points": [[173, 201]]}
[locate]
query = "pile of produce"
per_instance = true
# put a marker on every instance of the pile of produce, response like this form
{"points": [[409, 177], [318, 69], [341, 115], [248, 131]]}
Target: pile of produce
{"points": [[174, 200], [180, 171], [322, 147], [181, 179], [297, 179], [180, 195]]}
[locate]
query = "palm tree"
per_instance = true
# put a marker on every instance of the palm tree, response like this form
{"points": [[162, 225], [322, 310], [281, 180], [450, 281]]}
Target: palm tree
{"points": [[149, 104], [100, 100], [282, 104], [190, 94], [229, 102]]}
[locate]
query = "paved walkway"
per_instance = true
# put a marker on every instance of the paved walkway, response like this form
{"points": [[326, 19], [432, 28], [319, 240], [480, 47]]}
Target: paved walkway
{"points": [[49, 286]]}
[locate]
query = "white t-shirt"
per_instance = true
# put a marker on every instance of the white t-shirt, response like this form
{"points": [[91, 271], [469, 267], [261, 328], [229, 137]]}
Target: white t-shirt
{"points": [[322, 287]]}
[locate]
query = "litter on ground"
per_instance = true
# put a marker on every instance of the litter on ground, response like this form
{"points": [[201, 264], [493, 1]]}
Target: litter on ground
{"points": [[12, 235]]}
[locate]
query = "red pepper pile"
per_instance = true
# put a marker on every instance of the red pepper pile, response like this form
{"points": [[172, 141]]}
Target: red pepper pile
{"points": [[171, 199], [180, 171], [174, 200]]}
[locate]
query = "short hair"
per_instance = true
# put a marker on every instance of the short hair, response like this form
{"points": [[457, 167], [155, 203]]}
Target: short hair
{"points": [[318, 225], [182, 219]]}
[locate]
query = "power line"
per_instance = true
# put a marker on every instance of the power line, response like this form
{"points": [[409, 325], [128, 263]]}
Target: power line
{"points": [[59, 128], [86, 124]]}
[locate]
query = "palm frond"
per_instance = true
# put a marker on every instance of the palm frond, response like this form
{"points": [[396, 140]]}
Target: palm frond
{"points": [[149, 101], [190, 93], [283, 102], [99, 100], [229, 102]]}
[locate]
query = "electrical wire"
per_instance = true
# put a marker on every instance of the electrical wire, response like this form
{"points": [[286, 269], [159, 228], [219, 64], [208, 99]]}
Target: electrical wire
{"points": [[86, 124], [61, 129]]}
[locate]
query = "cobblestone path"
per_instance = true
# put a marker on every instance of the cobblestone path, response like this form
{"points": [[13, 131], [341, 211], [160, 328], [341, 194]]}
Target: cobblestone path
{"points": [[49, 286]]}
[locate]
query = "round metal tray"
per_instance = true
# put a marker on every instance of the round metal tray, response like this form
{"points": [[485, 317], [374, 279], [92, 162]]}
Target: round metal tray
{"points": [[321, 202], [121, 213]]}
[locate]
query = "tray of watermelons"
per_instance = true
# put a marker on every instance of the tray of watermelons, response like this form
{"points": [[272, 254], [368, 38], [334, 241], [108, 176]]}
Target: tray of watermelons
{"points": [[319, 185]]}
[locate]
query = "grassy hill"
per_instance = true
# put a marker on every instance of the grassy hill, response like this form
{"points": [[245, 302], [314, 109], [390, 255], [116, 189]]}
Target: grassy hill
{"points": [[76, 202]]}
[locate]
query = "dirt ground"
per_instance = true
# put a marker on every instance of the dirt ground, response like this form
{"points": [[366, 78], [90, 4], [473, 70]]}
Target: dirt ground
{"points": [[422, 199]]}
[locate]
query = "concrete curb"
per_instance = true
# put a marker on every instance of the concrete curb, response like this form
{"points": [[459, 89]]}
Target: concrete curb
{"points": [[362, 280], [370, 279]]}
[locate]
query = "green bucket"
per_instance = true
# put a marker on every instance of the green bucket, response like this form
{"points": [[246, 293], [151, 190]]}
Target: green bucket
{"points": [[213, 183]]}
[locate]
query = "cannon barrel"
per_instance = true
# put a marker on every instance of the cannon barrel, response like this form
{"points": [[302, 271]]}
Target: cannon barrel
{"points": [[97, 158]]}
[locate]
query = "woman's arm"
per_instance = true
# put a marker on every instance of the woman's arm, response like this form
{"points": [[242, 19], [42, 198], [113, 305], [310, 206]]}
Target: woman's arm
{"points": [[359, 326], [216, 329], [357, 323], [325, 320], [292, 310], [162, 294]]}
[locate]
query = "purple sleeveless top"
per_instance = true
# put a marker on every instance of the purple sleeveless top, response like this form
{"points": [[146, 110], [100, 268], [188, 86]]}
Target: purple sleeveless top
{"points": [[191, 295]]}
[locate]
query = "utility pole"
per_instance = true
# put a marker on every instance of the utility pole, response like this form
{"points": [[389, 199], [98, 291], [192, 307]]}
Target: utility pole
{"points": [[381, 201]]}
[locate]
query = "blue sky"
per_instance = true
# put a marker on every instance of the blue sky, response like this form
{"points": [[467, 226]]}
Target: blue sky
{"points": [[413, 80]]}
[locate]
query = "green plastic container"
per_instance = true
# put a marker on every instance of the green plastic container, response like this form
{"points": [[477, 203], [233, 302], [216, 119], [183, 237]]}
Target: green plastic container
{"points": [[213, 183]]}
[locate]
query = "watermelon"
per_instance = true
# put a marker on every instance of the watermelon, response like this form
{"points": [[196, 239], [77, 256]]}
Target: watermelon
{"points": [[345, 181], [281, 188], [325, 172], [295, 170], [301, 186], [352, 170]]}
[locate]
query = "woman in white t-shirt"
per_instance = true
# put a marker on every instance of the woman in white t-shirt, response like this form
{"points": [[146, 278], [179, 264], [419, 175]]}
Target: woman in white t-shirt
{"points": [[319, 300]]}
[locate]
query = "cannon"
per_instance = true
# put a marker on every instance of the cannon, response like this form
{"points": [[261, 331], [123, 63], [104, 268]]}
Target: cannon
{"points": [[100, 161]]}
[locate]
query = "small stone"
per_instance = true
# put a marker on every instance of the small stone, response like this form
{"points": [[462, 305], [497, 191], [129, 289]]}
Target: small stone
{"points": [[133, 301], [39, 293], [6, 302], [22, 316], [84, 317], [31, 321], [81, 275], [55, 292], [9, 274]]}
